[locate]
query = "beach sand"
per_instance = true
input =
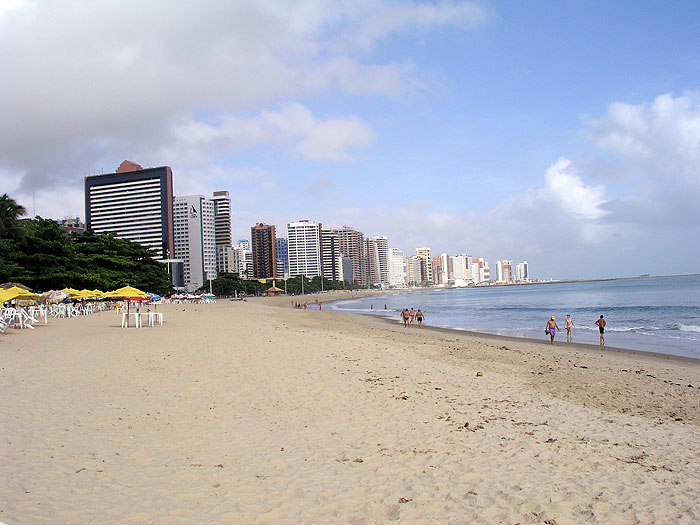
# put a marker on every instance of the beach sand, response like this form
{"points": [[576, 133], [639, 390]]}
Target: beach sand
{"points": [[255, 411]]}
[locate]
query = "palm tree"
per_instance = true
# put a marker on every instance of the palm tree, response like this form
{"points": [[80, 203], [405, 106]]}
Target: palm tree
{"points": [[10, 213]]}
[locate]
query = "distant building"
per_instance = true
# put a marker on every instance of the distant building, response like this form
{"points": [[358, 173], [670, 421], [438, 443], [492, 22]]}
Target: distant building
{"points": [[345, 272], [330, 253], [195, 239], [226, 260], [397, 270], [426, 264], [351, 243], [264, 250], [377, 252], [282, 257], [135, 204], [222, 218], [507, 271], [72, 225], [522, 272], [304, 248]]}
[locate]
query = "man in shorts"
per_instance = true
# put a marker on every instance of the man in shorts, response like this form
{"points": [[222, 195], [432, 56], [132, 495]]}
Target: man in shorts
{"points": [[412, 313], [600, 323], [551, 329]]}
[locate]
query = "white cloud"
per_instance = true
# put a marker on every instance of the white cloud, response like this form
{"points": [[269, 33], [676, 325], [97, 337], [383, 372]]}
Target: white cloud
{"points": [[411, 16], [293, 126], [649, 140], [566, 189]]}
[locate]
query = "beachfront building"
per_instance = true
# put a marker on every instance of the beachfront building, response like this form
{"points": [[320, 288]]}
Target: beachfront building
{"points": [[195, 239], [264, 250], [443, 269], [226, 260], [345, 273], [222, 218], [377, 251], [135, 204], [507, 271], [397, 268], [426, 266], [522, 272], [243, 259], [282, 257], [304, 248], [352, 245], [330, 253], [460, 267], [414, 275]]}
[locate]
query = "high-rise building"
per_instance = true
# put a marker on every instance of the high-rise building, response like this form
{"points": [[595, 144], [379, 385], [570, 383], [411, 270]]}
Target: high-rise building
{"points": [[426, 264], [352, 245], [243, 259], [195, 239], [222, 217], [282, 257], [329, 254], [226, 260], [304, 248], [264, 250], [397, 271], [507, 269], [460, 266], [414, 270], [135, 204], [522, 273], [377, 251], [438, 277], [499, 271]]}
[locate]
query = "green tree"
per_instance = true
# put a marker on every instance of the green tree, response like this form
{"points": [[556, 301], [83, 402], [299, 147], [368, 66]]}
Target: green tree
{"points": [[10, 214]]}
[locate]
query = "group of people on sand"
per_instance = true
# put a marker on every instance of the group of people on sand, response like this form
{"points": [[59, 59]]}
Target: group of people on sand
{"points": [[551, 329], [409, 316]]}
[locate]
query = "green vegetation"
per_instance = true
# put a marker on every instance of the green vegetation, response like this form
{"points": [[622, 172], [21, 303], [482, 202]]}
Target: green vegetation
{"points": [[39, 254]]}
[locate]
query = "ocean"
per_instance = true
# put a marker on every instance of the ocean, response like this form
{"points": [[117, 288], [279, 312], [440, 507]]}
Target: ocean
{"points": [[653, 314]]}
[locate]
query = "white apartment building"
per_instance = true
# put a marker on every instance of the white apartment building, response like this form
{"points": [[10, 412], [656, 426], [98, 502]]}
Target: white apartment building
{"points": [[380, 253], [304, 248], [397, 270], [522, 272], [194, 239]]}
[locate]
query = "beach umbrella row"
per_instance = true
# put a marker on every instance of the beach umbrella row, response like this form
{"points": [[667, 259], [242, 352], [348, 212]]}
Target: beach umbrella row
{"points": [[17, 293]]}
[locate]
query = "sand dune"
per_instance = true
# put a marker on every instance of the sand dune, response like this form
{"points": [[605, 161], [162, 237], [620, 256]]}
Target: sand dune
{"points": [[246, 412]]}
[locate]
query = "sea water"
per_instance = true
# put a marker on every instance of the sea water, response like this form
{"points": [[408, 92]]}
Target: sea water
{"points": [[653, 314]]}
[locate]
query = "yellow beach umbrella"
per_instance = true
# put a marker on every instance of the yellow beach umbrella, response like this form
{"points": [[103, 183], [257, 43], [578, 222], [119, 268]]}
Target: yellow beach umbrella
{"points": [[129, 291], [17, 293]]}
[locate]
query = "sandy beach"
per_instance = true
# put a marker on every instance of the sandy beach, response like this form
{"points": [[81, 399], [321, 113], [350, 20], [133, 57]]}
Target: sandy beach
{"points": [[240, 412]]}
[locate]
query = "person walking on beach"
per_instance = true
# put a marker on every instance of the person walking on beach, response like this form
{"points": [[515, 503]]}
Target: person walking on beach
{"points": [[412, 314], [404, 316], [551, 329], [600, 323], [419, 318], [569, 325]]}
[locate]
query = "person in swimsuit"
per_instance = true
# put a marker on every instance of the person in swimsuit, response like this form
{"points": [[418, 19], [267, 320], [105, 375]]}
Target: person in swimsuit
{"points": [[404, 316], [600, 323], [551, 329], [412, 314], [569, 325], [419, 318]]}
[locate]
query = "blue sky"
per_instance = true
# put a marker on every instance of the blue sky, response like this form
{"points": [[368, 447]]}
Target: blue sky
{"points": [[562, 133]]}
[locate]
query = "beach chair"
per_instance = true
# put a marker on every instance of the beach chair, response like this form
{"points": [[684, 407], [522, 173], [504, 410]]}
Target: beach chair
{"points": [[4, 325]]}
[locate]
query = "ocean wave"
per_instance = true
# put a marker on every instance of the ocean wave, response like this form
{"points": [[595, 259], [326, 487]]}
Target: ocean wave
{"points": [[682, 327]]}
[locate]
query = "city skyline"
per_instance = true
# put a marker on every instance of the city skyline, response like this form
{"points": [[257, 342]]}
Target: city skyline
{"points": [[562, 134]]}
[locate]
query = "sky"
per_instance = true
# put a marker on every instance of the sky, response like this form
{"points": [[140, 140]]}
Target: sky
{"points": [[566, 134]]}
